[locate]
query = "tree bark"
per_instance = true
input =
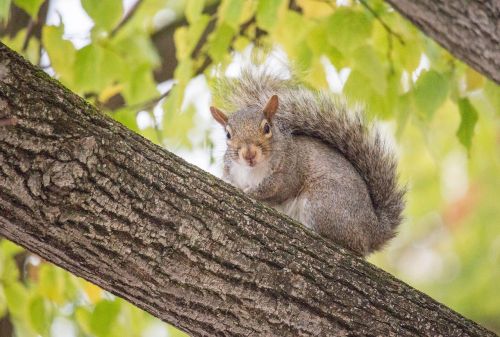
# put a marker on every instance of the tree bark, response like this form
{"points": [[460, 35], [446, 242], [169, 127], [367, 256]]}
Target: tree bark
{"points": [[87, 194], [469, 29]]}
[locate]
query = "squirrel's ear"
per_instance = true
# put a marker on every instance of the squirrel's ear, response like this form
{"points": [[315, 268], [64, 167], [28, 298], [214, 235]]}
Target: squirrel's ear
{"points": [[219, 116], [271, 107]]}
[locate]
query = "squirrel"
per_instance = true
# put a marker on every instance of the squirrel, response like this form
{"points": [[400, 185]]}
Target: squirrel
{"points": [[308, 155]]}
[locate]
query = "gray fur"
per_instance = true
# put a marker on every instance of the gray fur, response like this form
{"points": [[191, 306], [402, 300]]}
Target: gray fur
{"points": [[321, 151]]}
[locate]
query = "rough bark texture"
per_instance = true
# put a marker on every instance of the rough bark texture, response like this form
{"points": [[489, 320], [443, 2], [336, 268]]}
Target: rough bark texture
{"points": [[104, 203], [469, 29]]}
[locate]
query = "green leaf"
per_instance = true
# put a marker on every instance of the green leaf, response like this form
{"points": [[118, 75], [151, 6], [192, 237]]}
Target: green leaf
{"points": [[492, 93], [105, 13], [186, 38], [127, 117], [17, 297], [172, 104], [52, 283], [39, 315], [30, 6], [368, 62], [316, 41], [9, 248], [104, 317], [183, 72], [295, 41], [469, 117], [97, 67], [140, 86], [219, 41], [3, 303], [267, 13], [83, 317], [431, 90], [230, 12], [87, 76], [348, 29], [151, 134], [357, 87], [61, 53], [8, 269], [4, 9], [408, 55], [176, 125], [193, 10], [404, 109], [136, 47]]}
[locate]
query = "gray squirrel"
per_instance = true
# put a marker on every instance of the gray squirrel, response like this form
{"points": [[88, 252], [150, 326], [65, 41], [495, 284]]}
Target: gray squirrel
{"points": [[306, 154]]}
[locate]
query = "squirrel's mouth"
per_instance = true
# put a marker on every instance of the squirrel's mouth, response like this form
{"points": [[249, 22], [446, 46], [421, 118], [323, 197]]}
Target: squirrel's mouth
{"points": [[251, 162], [250, 155]]}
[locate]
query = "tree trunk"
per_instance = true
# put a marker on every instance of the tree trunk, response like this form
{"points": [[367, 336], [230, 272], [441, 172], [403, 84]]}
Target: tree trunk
{"points": [[469, 29], [89, 195]]}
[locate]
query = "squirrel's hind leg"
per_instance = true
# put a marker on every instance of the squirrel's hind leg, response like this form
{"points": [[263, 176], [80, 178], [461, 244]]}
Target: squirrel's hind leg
{"points": [[334, 218]]}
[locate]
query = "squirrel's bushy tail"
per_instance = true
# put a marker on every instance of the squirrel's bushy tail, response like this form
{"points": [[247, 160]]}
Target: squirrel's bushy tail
{"points": [[318, 114]]}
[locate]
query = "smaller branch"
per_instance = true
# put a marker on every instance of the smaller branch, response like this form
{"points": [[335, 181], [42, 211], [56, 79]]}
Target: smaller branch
{"points": [[149, 103], [126, 18], [29, 33], [382, 22], [258, 32], [206, 62], [158, 130], [245, 25], [389, 53], [204, 36], [294, 6]]}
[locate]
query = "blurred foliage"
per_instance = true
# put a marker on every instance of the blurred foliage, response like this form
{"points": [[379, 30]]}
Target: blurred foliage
{"points": [[444, 116]]}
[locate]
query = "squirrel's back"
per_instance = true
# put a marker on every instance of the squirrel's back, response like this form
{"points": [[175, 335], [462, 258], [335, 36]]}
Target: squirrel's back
{"points": [[317, 114]]}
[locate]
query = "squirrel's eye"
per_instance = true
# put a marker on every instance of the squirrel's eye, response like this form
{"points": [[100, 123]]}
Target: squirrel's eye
{"points": [[267, 128], [228, 135]]}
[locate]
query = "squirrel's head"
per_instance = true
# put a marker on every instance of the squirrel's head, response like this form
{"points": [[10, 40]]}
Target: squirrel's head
{"points": [[249, 132]]}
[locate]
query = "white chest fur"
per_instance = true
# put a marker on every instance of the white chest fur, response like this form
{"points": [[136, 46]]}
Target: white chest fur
{"points": [[297, 208], [245, 176]]}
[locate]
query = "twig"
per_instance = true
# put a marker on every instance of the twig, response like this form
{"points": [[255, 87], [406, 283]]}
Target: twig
{"points": [[258, 32], [382, 22], [29, 33], [294, 6], [158, 130], [390, 33], [126, 18], [149, 103], [389, 53]]}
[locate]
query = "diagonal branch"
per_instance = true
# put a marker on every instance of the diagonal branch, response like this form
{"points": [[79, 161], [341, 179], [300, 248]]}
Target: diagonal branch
{"points": [[89, 195], [468, 29]]}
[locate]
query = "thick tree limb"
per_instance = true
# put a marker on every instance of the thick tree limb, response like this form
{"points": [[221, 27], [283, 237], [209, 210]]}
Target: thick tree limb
{"points": [[104, 203], [468, 29]]}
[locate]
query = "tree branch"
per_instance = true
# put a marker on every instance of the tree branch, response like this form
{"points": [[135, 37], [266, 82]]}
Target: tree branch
{"points": [[89, 195], [468, 29]]}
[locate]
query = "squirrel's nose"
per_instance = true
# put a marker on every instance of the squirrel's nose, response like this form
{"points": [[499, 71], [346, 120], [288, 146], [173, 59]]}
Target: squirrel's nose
{"points": [[250, 155]]}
